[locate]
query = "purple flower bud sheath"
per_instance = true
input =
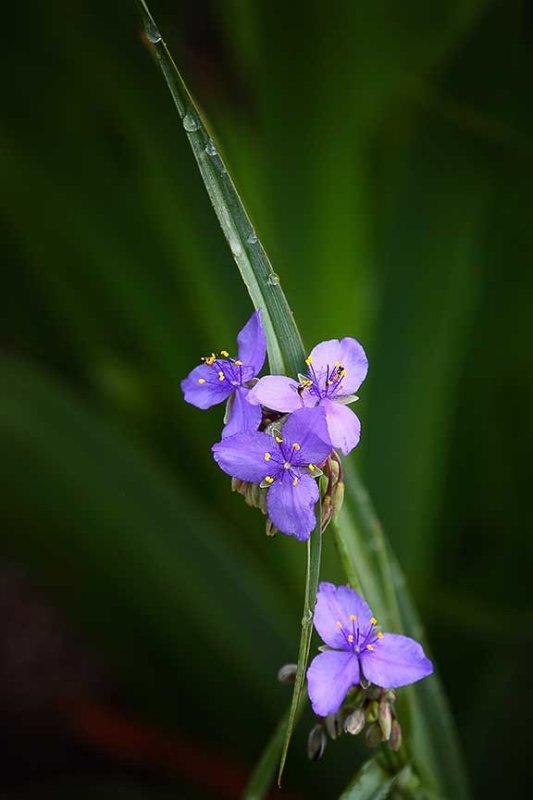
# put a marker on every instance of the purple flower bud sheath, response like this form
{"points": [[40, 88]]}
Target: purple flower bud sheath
{"points": [[285, 464], [358, 650], [336, 369], [221, 378]]}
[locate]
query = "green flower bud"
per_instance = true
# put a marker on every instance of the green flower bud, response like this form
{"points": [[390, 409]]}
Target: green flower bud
{"points": [[385, 720], [373, 735], [372, 711], [333, 723]]}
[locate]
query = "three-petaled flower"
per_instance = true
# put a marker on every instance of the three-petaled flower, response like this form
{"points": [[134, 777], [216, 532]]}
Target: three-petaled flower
{"points": [[336, 369], [222, 378], [358, 650], [285, 464]]}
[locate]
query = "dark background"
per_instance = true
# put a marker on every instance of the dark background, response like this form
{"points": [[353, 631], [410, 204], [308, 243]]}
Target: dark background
{"points": [[385, 151]]}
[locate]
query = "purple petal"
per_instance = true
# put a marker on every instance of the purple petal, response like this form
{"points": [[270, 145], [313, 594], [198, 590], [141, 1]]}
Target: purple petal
{"points": [[291, 508], [252, 343], [347, 352], [337, 604], [395, 661], [243, 417], [329, 678], [243, 455], [307, 427], [343, 425], [276, 392], [209, 392]]}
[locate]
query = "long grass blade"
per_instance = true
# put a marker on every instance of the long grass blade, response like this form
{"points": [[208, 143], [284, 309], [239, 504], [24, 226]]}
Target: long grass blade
{"points": [[372, 782]]}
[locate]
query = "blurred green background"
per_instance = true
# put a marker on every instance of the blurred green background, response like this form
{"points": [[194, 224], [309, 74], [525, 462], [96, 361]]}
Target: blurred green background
{"points": [[385, 151]]}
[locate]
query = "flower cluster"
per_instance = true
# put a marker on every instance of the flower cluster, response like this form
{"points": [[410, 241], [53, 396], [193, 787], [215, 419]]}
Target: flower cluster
{"points": [[310, 414], [279, 436]]}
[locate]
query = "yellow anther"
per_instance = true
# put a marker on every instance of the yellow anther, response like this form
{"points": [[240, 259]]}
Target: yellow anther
{"points": [[309, 360], [278, 439], [343, 373], [338, 363], [370, 647], [350, 638], [267, 456], [311, 467], [296, 446], [295, 482], [380, 635], [224, 353], [238, 363], [353, 617], [210, 360], [373, 621], [201, 380], [339, 624], [221, 376], [269, 479], [329, 383]]}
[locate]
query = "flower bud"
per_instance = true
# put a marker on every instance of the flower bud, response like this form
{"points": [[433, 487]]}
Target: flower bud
{"points": [[333, 723], [287, 673], [385, 720], [326, 513], [338, 498], [372, 711], [355, 722], [395, 739], [373, 735], [270, 528], [390, 696], [316, 743]]}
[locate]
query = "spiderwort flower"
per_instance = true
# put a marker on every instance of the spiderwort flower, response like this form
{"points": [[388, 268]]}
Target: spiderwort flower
{"points": [[358, 650], [336, 369], [222, 378], [284, 464]]}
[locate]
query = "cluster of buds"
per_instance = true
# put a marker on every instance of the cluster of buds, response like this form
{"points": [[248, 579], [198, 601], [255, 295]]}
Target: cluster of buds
{"points": [[331, 489], [366, 707]]}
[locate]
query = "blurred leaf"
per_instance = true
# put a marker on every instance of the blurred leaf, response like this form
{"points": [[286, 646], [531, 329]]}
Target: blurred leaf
{"points": [[372, 782]]}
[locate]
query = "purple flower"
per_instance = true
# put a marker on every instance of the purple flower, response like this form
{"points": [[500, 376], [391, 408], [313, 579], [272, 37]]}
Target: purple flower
{"points": [[337, 369], [222, 378], [358, 650], [285, 464]]}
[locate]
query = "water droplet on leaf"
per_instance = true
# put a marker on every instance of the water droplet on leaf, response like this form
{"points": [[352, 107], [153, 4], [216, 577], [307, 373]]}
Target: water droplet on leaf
{"points": [[252, 238], [190, 123], [210, 148], [152, 33], [273, 279]]}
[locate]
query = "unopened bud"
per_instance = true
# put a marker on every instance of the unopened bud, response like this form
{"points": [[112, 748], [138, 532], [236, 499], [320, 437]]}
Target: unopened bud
{"points": [[270, 528], [338, 498], [355, 722], [385, 720], [333, 723], [395, 739], [326, 513], [390, 696], [373, 735], [287, 673], [316, 743], [372, 711], [236, 485], [334, 470]]}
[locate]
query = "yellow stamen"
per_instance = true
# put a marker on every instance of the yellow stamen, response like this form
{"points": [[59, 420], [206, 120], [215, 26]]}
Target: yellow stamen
{"points": [[267, 456], [221, 376], [269, 479], [370, 647], [201, 380], [210, 360], [350, 638], [311, 467], [329, 383], [295, 482], [238, 363], [339, 624], [224, 353], [353, 617], [296, 446], [337, 363], [278, 439], [309, 360], [380, 635], [343, 373], [373, 621]]}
